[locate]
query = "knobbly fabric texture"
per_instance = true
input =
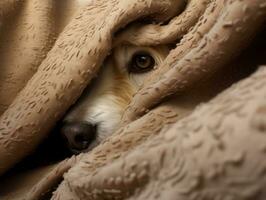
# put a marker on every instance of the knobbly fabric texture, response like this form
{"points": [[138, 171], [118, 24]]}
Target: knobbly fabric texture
{"points": [[168, 146]]}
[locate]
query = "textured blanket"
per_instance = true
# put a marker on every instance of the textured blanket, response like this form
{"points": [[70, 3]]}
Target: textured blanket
{"points": [[173, 142]]}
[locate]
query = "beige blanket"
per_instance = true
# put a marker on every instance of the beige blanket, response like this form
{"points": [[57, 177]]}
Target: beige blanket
{"points": [[170, 144]]}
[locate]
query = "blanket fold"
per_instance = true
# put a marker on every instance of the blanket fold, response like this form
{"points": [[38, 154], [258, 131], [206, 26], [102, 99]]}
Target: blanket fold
{"points": [[67, 69], [168, 145]]}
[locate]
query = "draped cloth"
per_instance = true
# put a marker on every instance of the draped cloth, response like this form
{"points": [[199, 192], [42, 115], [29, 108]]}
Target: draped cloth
{"points": [[169, 145]]}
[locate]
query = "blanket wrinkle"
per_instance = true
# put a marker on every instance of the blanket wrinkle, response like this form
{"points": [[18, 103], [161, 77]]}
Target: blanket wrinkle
{"points": [[169, 164], [188, 133], [156, 34], [215, 49], [23, 51], [67, 69]]}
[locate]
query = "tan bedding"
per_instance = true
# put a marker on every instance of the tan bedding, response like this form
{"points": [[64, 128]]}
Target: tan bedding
{"points": [[167, 147]]}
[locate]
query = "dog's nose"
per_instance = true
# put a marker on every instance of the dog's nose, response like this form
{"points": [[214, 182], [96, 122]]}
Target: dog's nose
{"points": [[79, 135]]}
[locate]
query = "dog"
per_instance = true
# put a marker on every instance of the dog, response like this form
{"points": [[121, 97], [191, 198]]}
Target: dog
{"points": [[98, 112]]}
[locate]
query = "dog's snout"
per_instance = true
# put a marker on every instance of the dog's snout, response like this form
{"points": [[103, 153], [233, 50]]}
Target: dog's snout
{"points": [[79, 135]]}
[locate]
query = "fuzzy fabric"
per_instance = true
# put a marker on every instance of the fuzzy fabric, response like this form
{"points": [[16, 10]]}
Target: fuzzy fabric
{"points": [[169, 145]]}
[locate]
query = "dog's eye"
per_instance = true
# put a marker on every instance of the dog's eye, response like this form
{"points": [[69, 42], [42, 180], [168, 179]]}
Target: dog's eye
{"points": [[141, 62]]}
